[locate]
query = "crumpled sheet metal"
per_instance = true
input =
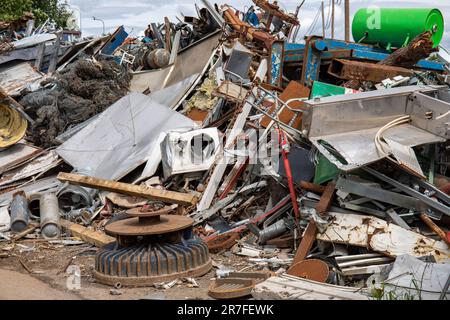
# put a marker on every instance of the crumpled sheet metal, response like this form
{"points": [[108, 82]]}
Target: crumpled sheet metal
{"points": [[123, 137], [430, 279], [381, 236], [190, 61], [352, 122], [15, 78]]}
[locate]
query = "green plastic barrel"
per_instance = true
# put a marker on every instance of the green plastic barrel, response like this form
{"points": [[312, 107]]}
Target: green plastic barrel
{"points": [[392, 27]]}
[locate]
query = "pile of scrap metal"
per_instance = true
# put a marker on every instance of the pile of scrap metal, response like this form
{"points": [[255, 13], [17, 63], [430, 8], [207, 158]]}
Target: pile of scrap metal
{"points": [[324, 162]]}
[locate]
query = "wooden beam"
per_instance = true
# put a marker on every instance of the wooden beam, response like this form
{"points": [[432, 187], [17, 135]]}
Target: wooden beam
{"points": [[433, 226], [309, 236], [130, 189], [306, 244], [326, 199], [97, 238]]}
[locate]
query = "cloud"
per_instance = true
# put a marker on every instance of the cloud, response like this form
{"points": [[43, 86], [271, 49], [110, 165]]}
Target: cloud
{"points": [[135, 15]]}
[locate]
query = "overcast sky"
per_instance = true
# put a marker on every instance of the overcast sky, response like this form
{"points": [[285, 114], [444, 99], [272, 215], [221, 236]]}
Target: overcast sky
{"points": [[135, 15]]}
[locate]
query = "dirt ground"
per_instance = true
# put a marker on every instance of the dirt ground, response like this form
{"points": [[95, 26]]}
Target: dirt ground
{"points": [[35, 269]]}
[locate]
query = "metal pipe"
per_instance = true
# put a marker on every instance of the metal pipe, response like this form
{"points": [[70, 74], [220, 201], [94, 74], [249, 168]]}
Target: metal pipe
{"points": [[332, 19], [20, 213], [49, 215], [347, 20], [323, 20], [273, 231], [103, 23]]}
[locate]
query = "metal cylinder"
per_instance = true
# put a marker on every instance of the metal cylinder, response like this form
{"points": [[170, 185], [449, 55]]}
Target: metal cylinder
{"points": [[72, 197], [20, 214], [276, 229], [33, 205], [396, 27], [49, 215], [158, 58]]}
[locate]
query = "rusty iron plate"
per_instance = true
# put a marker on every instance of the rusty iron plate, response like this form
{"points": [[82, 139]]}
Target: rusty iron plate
{"points": [[237, 284], [229, 288], [311, 269], [150, 226], [222, 242]]}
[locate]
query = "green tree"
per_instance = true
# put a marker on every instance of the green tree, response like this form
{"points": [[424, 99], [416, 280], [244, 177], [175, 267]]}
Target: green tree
{"points": [[42, 10]]}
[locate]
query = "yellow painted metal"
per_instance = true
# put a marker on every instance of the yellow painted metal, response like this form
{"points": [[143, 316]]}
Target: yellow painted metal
{"points": [[12, 126]]}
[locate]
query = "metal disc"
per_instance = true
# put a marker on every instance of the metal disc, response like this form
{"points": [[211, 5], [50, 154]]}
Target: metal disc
{"points": [[311, 269], [137, 212], [135, 227]]}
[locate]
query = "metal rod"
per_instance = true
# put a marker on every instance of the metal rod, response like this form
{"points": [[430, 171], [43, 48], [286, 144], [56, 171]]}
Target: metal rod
{"points": [[347, 20], [323, 20], [332, 19]]}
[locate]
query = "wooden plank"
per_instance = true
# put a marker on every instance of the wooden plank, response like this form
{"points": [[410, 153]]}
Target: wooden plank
{"points": [[326, 199], [96, 238], [433, 226], [310, 232], [305, 245], [130, 189], [231, 91]]}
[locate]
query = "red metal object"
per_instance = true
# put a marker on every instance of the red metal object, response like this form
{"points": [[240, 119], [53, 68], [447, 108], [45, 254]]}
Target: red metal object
{"points": [[284, 151]]}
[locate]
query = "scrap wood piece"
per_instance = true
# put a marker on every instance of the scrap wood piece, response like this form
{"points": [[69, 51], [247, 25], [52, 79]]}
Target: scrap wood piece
{"points": [[309, 235], [22, 234], [306, 243], [419, 48], [97, 238], [381, 236], [130, 189], [326, 199], [230, 91], [365, 71], [24, 265], [433, 226]]}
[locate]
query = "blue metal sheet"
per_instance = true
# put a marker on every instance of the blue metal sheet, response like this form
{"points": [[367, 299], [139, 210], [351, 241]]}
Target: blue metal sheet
{"points": [[116, 39], [317, 49]]}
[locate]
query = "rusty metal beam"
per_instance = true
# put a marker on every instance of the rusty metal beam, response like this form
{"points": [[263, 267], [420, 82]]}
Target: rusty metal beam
{"points": [[364, 71]]}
